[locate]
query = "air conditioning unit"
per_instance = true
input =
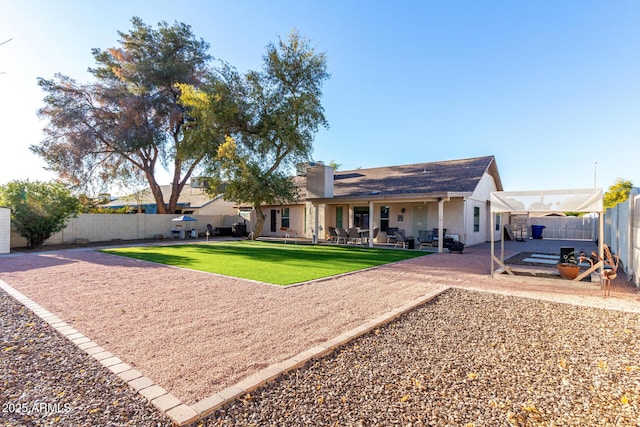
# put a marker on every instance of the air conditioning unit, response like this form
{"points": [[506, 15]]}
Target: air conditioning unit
{"points": [[301, 168]]}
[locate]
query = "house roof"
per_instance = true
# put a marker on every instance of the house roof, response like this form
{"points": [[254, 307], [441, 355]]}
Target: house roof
{"points": [[189, 196], [436, 179]]}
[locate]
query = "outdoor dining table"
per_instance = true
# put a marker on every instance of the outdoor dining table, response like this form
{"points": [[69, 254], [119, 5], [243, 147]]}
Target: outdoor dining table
{"points": [[364, 236]]}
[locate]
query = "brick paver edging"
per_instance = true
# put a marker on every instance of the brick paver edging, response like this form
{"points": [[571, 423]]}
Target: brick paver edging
{"points": [[174, 408]]}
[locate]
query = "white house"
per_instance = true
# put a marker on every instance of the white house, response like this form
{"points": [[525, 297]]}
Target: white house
{"points": [[193, 200], [452, 196]]}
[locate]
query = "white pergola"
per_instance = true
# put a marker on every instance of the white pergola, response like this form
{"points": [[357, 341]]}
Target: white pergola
{"points": [[545, 201]]}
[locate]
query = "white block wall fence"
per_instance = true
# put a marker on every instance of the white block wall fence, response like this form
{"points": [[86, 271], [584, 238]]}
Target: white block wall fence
{"points": [[107, 227], [5, 230]]}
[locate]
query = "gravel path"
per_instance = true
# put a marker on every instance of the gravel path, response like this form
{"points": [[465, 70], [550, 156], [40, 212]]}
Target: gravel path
{"points": [[164, 320]]}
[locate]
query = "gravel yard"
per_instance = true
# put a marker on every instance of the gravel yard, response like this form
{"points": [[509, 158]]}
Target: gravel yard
{"points": [[466, 358], [47, 381]]}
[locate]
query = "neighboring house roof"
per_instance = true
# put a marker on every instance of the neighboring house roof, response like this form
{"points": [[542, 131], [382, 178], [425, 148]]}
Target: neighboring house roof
{"points": [[438, 179], [189, 196]]}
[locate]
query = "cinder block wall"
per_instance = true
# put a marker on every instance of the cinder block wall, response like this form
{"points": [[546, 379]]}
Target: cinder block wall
{"points": [[107, 227]]}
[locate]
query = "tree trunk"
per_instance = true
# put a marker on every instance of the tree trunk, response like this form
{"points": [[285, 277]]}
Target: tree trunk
{"points": [[176, 189], [176, 184], [257, 229], [157, 194]]}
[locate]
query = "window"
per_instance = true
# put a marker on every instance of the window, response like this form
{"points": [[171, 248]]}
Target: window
{"points": [[285, 218], [384, 218], [339, 217], [476, 219], [246, 214], [497, 222]]}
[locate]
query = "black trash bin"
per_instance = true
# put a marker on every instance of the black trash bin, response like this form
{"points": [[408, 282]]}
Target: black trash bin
{"points": [[239, 229], [411, 243], [536, 231]]}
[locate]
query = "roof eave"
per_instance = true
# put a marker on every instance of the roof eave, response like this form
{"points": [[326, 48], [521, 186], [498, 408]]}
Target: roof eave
{"points": [[405, 198]]}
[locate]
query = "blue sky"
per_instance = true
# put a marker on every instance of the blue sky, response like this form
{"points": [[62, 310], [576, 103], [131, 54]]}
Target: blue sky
{"points": [[548, 87]]}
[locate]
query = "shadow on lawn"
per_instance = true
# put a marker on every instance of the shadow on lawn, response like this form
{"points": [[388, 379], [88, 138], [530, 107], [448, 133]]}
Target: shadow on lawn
{"points": [[129, 255]]}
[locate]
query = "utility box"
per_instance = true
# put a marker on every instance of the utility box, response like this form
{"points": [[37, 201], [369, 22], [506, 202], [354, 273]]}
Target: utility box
{"points": [[5, 230]]}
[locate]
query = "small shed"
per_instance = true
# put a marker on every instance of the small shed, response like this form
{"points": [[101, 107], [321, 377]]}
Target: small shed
{"points": [[5, 230], [545, 201]]}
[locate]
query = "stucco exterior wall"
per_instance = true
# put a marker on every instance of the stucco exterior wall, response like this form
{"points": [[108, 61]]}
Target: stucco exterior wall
{"points": [[480, 199], [310, 214], [217, 207], [296, 221]]}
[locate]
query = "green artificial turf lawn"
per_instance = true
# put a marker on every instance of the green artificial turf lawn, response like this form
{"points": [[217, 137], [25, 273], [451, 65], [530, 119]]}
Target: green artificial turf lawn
{"points": [[277, 263]]}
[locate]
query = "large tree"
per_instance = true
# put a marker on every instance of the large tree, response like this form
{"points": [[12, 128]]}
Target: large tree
{"points": [[276, 113], [128, 122], [617, 193], [38, 209]]}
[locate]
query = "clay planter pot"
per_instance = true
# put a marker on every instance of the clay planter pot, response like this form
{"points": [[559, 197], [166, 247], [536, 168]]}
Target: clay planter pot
{"points": [[568, 271]]}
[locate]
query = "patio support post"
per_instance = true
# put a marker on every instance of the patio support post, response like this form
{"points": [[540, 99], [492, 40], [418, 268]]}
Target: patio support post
{"points": [[493, 239], [440, 224], [601, 238], [352, 217], [371, 221], [315, 224], [501, 237]]}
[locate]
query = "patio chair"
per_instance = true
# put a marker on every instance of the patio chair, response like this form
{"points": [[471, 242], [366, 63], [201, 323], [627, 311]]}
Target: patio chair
{"points": [[333, 236], [354, 235], [391, 235], [342, 235], [610, 271], [425, 237], [434, 239], [401, 240]]}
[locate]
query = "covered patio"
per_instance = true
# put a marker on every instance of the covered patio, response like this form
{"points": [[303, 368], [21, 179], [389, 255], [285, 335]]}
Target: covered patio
{"points": [[447, 199], [543, 201], [385, 217]]}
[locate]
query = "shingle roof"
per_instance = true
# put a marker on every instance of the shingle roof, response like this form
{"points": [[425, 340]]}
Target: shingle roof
{"points": [[451, 176], [189, 196]]}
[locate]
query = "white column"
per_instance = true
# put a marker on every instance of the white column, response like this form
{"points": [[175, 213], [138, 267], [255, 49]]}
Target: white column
{"points": [[371, 223], [501, 236], [315, 225], [440, 224], [601, 237], [352, 217], [492, 215]]}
